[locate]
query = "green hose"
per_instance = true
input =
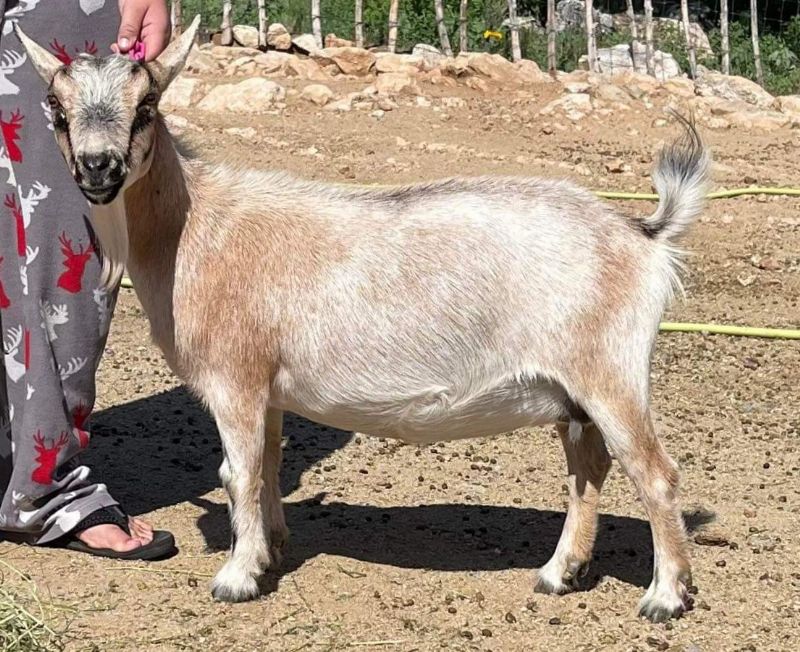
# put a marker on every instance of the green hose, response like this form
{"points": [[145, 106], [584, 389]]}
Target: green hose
{"points": [[688, 327]]}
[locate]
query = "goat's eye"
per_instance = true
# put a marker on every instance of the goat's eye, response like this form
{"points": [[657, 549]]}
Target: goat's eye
{"points": [[52, 100], [150, 99]]}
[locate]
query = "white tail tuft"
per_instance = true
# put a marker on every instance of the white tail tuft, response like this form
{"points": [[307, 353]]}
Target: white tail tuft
{"points": [[680, 178]]}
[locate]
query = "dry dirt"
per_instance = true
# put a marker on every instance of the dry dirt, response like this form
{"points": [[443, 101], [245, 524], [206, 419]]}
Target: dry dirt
{"points": [[398, 547]]}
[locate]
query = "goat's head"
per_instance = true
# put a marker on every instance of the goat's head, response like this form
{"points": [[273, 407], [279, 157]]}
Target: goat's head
{"points": [[104, 110]]}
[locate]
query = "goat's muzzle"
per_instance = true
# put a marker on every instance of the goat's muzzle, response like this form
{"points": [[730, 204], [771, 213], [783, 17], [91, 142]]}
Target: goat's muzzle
{"points": [[100, 176]]}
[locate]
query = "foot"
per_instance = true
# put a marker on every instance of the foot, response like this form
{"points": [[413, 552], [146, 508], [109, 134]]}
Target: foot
{"points": [[115, 538], [557, 577], [666, 600]]}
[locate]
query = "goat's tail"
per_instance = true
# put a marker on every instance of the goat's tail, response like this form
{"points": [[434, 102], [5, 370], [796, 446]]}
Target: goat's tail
{"points": [[680, 178]]}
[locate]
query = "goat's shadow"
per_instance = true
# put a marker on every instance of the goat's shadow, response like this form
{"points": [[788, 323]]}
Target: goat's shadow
{"points": [[164, 450]]}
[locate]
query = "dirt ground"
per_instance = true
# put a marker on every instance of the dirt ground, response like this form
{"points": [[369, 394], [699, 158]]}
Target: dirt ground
{"points": [[399, 547]]}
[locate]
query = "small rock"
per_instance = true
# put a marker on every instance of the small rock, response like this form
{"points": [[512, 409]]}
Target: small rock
{"points": [[278, 37], [249, 96], [617, 166], [430, 56], [245, 35], [305, 43], [247, 133], [711, 539], [396, 83], [333, 41], [386, 103], [319, 94], [183, 92], [510, 618], [657, 643], [453, 102], [176, 124], [555, 620], [272, 62], [350, 61], [378, 114], [577, 87]]}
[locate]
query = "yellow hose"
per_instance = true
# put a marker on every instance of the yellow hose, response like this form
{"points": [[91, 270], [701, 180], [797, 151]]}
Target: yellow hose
{"points": [[689, 327], [719, 194], [725, 329]]}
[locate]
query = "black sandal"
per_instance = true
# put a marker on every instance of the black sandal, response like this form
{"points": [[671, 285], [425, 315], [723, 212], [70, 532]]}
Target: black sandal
{"points": [[161, 547]]}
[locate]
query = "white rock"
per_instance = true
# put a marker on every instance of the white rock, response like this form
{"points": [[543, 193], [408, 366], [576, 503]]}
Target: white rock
{"points": [[201, 62], [617, 60], [273, 62], [430, 56], [249, 96], [318, 94], [176, 124], [575, 106], [183, 92], [394, 83], [305, 43], [714, 84], [247, 133], [246, 36], [278, 37]]}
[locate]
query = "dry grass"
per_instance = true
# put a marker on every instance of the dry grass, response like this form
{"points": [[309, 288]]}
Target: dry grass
{"points": [[24, 617]]}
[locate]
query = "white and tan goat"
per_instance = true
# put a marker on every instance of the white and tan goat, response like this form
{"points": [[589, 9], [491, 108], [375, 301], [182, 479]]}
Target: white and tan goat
{"points": [[458, 308]]}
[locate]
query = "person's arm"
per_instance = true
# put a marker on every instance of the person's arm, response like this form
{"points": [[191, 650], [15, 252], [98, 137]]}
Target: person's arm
{"points": [[146, 21]]}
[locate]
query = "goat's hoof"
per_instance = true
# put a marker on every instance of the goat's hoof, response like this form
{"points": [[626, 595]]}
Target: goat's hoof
{"points": [[552, 580], [234, 585], [278, 542], [659, 606]]}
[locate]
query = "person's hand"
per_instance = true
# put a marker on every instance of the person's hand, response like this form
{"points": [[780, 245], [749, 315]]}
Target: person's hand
{"points": [[146, 21]]}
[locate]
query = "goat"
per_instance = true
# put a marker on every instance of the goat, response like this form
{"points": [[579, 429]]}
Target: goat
{"points": [[458, 308]]}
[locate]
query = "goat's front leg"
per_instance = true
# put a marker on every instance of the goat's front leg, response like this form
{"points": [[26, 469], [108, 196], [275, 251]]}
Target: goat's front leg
{"points": [[588, 463], [274, 521], [241, 425]]}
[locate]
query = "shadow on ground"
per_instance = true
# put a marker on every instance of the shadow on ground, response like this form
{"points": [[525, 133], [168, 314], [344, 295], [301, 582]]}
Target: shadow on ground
{"points": [[164, 450]]}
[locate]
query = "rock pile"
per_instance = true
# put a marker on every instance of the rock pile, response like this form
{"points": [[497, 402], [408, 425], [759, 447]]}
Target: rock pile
{"points": [[718, 101]]}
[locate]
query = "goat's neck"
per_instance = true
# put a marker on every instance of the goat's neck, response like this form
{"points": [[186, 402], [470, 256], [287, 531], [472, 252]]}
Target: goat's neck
{"points": [[157, 207]]}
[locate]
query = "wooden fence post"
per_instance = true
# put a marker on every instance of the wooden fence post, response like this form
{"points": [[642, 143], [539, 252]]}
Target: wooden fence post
{"points": [[726, 42], [394, 9], [688, 36], [444, 39], [756, 47]]}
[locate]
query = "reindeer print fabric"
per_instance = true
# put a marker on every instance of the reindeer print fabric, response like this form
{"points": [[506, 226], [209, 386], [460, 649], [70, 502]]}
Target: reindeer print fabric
{"points": [[53, 319]]}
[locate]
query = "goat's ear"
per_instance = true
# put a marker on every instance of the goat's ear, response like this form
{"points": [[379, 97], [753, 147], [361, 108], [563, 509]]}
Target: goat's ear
{"points": [[170, 62], [45, 63]]}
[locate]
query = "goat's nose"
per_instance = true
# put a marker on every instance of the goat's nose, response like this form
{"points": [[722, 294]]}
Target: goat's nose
{"points": [[96, 163], [100, 168]]}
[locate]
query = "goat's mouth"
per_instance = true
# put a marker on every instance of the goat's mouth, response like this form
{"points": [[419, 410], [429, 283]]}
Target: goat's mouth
{"points": [[101, 194]]}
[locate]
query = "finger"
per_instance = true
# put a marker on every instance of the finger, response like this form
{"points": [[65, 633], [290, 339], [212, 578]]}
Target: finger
{"points": [[130, 25], [156, 30], [154, 44]]}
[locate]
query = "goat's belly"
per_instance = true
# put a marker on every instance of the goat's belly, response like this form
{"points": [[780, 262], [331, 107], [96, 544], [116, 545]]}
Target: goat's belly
{"points": [[441, 414]]}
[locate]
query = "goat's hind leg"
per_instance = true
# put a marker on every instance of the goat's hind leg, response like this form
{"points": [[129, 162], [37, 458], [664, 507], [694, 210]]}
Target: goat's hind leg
{"points": [[241, 424], [588, 463], [630, 435]]}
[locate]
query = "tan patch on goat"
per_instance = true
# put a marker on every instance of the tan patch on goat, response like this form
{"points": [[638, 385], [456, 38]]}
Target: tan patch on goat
{"points": [[616, 281]]}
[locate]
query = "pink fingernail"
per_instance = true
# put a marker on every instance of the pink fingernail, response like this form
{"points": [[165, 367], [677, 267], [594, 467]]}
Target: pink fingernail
{"points": [[137, 52]]}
